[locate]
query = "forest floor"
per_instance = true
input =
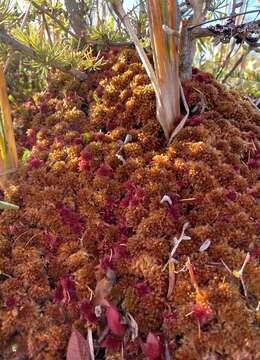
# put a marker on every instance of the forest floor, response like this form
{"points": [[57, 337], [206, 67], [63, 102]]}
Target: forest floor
{"points": [[105, 204]]}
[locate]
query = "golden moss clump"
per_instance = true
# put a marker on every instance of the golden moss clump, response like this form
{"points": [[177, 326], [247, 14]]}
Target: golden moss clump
{"points": [[102, 191]]}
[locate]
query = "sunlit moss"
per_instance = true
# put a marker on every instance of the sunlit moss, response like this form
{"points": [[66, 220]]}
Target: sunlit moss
{"points": [[124, 224]]}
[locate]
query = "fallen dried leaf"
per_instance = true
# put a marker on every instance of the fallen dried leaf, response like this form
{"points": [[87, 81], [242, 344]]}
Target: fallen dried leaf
{"points": [[78, 348]]}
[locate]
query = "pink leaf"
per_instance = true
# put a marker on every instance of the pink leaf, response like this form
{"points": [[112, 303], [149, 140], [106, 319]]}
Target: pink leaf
{"points": [[78, 348], [152, 348], [114, 321]]}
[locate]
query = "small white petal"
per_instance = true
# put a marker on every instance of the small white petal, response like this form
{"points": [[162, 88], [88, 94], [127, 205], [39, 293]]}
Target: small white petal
{"points": [[98, 311], [258, 306], [170, 31], [205, 245], [128, 139], [167, 199], [167, 29], [185, 226], [120, 157], [133, 325]]}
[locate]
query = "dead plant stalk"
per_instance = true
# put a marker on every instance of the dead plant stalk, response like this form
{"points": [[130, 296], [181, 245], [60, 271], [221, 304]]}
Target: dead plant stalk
{"points": [[8, 153], [165, 74]]}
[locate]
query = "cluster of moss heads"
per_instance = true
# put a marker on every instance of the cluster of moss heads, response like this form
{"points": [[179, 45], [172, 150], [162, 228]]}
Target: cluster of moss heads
{"points": [[102, 198]]}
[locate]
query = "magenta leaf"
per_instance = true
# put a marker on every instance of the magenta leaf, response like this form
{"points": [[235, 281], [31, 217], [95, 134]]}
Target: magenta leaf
{"points": [[34, 163], [169, 318], [105, 171], [134, 195], [78, 348], [152, 347], [85, 161], [174, 210], [249, 135], [111, 343], [232, 196], [87, 312], [10, 302], [107, 213], [70, 218], [142, 289], [65, 292], [195, 120], [114, 321], [52, 242]]}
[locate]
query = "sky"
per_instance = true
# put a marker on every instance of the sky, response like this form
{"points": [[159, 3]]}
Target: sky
{"points": [[252, 5]]}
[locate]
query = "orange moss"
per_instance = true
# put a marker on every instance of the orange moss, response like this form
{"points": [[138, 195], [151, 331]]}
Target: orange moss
{"points": [[104, 221]]}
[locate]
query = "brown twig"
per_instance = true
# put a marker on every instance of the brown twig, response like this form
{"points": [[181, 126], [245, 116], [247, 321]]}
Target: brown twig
{"points": [[239, 273], [47, 29], [25, 19], [48, 13], [224, 18], [199, 32], [12, 159], [238, 62]]}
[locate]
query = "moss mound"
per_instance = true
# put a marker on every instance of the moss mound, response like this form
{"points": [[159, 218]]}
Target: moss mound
{"points": [[102, 201]]}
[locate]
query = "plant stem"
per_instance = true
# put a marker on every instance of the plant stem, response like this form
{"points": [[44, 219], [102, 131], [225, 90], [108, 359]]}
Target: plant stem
{"points": [[239, 61], [11, 161], [224, 18]]}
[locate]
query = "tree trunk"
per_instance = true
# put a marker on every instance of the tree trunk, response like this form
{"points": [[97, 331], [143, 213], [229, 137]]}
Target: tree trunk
{"points": [[187, 51], [75, 17]]}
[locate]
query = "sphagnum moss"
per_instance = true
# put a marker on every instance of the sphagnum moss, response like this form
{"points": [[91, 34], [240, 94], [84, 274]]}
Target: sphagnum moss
{"points": [[84, 210]]}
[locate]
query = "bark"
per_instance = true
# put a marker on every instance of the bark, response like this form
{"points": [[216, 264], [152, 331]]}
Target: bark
{"points": [[75, 17], [187, 42], [187, 51], [189, 34], [25, 19], [10, 160], [239, 61]]}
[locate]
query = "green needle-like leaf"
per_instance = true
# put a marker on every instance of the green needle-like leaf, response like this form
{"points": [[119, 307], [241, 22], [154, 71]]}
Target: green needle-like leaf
{"points": [[6, 205]]}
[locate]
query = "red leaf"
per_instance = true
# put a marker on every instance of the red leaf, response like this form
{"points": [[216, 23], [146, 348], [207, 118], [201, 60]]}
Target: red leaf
{"points": [[105, 170], [87, 312], [114, 321], [195, 120], [142, 289], [152, 348], [111, 343], [78, 348]]}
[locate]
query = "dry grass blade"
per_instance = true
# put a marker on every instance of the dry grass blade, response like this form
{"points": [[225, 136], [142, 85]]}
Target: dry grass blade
{"points": [[165, 78], [7, 127], [171, 278], [162, 16], [183, 121], [119, 10]]}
